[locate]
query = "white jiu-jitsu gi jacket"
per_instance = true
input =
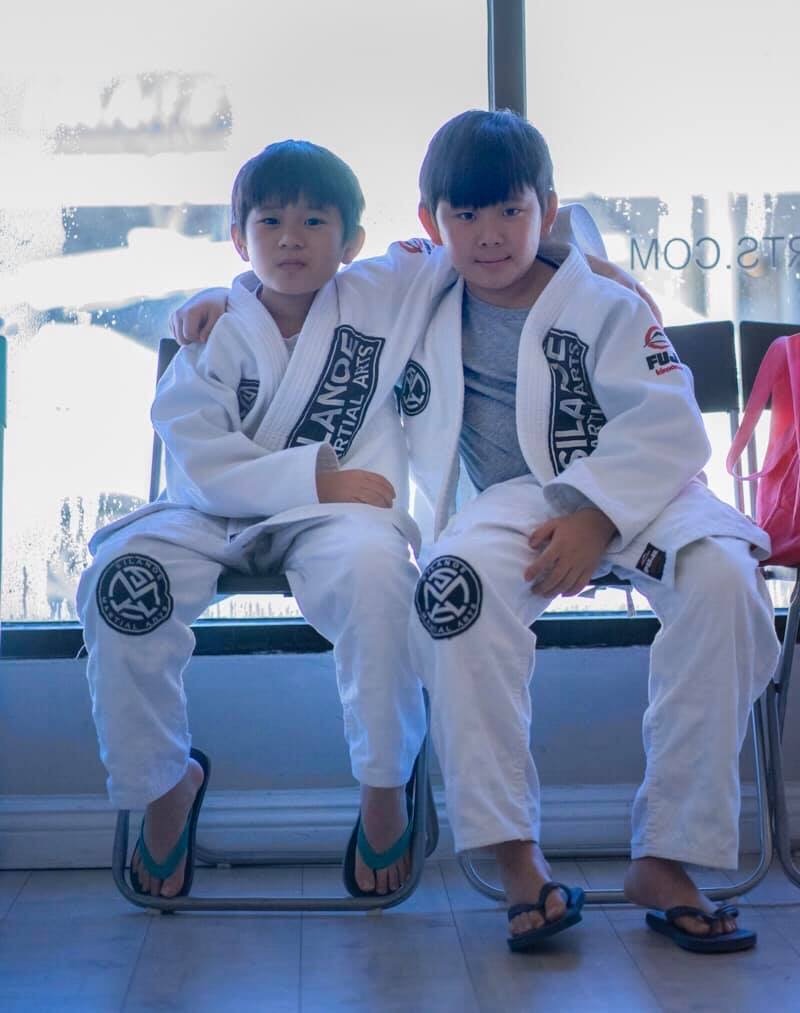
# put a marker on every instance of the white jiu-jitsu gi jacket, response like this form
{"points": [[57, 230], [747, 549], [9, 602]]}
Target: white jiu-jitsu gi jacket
{"points": [[246, 427], [604, 411]]}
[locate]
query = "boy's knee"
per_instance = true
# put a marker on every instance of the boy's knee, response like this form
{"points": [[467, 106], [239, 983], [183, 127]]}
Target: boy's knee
{"points": [[127, 588], [720, 567], [449, 595]]}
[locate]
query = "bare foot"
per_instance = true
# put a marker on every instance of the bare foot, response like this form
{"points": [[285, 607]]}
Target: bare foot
{"points": [[660, 883], [524, 871], [164, 821], [384, 816]]}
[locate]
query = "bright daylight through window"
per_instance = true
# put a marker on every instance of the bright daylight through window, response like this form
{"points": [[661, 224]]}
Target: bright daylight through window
{"points": [[121, 129]]}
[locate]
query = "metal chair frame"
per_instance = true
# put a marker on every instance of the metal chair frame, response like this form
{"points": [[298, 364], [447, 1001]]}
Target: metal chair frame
{"points": [[425, 828], [708, 349], [754, 339]]}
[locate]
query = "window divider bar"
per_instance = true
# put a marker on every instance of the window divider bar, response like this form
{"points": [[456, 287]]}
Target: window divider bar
{"points": [[506, 55]]}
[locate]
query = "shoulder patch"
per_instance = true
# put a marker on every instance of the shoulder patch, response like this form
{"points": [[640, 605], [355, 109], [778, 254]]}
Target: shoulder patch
{"points": [[415, 392], [575, 416], [346, 386], [660, 355], [417, 245]]}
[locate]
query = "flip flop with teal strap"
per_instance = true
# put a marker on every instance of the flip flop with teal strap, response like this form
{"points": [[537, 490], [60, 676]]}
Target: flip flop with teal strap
{"points": [[184, 846], [375, 860]]}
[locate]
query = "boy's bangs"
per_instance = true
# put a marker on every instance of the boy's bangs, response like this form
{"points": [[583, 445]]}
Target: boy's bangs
{"points": [[288, 183], [492, 177]]}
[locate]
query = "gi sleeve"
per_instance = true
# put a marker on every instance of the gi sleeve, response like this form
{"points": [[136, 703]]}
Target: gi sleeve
{"points": [[212, 464], [653, 442]]}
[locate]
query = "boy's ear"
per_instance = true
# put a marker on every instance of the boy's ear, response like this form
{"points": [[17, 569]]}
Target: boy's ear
{"points": [[550, 213], [239, 241], [429, 224], [353, 246]]}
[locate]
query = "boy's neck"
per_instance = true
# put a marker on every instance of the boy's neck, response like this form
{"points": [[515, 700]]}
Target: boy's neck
{"points": [[523, 293], [289, 311]]}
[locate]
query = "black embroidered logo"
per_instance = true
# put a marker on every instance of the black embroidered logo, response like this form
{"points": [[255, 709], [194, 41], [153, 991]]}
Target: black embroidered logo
{"points": [[133, 595], [416, 390], [651, 562], [575, 416], [448, 597], [346, 386], [247, 393]]}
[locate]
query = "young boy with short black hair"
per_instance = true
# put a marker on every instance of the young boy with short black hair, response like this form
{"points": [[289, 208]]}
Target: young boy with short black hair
{"points": [[579, 429], [284, 450]]}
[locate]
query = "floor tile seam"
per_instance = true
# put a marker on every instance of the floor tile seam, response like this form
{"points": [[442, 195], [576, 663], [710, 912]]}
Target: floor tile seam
{"points": [[135, 967], [17, 895], [640, 970], [792, 943], [470, 977]]}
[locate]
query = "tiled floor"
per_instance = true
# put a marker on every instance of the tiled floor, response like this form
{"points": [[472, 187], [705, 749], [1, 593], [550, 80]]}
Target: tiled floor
{"points": [[68, 941]]}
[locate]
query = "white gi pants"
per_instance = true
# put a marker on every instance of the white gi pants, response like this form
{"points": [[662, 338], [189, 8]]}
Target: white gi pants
{"points": [[471, 643], [353, 578]]}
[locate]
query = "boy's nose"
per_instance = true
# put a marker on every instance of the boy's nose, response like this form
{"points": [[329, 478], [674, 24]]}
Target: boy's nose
{"points": [[490, 237], [290, 238]]}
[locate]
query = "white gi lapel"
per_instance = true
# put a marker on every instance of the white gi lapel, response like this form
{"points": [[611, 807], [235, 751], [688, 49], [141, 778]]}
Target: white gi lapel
{"points": [[297, 383], [538, 368], [256, 321]]}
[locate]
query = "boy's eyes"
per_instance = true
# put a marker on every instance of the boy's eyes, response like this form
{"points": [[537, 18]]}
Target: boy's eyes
{"points": [[312, 221], [470, 216]]}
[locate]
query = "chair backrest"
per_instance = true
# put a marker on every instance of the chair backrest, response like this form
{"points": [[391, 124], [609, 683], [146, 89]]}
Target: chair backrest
{"points": [[167, 350], [708, 348]]}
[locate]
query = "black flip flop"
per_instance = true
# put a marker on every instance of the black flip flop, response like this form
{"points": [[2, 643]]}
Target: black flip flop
{"points": [[721, 942], [530, 939], [185, 844]]}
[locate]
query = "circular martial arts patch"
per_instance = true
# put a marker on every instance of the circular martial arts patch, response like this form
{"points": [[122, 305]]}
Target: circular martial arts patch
{"points": [[448, 597], [416, 390], [133, 595]]}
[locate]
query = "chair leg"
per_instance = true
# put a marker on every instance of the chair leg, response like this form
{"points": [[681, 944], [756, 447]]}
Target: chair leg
{"points": [[714, 893], [776, 700]]}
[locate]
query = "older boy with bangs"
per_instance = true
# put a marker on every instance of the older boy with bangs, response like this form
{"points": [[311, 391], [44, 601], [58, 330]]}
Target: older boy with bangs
{"points": [[578, 428]]}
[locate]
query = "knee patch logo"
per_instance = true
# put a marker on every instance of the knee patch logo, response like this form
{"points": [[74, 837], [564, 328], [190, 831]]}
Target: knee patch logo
{"points": [[133, 595], [448, 597], [415, 392]]}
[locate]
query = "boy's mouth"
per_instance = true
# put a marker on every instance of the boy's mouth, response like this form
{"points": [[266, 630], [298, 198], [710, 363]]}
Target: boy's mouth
{"points": [[496, 260], [291, 263]]}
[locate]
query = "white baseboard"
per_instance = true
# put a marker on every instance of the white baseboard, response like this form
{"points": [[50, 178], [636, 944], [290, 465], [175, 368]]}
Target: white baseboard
{"points": [[58, 832]]}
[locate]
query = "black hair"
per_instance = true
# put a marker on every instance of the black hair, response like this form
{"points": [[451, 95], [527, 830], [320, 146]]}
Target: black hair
{"points": [[287, 170], [480, 158]]}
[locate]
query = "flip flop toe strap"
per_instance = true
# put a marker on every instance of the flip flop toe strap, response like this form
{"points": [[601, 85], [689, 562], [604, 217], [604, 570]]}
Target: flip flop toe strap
{"points": [[539, 906], [163, 870], [376, 860], [686, 911]]}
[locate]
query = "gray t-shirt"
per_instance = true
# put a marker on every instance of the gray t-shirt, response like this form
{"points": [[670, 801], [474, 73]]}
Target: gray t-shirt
{"points": [[490, 346]]}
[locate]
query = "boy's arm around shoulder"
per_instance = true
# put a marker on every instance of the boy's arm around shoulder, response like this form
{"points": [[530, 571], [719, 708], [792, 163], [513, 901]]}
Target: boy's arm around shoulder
{"points": [[653, 442], [212, 464]]}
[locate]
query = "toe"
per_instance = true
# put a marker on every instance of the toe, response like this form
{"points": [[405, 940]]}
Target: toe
{"points": [[365, 877], [526, 922]]}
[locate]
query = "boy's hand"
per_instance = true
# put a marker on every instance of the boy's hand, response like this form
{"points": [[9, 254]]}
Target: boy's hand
{"points": [[571, 548], [621, 277], [352, 485], [195, 320]]}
